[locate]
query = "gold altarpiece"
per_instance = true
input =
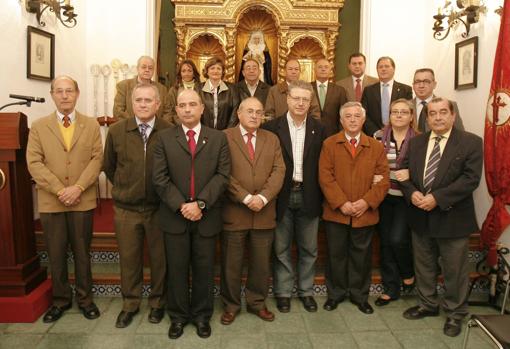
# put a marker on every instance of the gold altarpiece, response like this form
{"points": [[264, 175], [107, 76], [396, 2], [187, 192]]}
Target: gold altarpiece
{"points": [[302, 29]]}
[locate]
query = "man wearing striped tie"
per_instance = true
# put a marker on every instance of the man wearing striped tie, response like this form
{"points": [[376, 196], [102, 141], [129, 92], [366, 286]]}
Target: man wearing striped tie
{"points": [[444, 168], [128, 165]]}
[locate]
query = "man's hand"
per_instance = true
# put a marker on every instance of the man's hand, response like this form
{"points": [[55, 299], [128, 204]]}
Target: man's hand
{"points": [[70, 196], [191, 211], [255, 204], [377, 179], [417, 198], [402, 175], [428, 203], [347, 209], [359, 207]]}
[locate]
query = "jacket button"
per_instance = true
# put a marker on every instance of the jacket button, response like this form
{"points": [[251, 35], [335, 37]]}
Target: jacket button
{"points": [[67, 177]]}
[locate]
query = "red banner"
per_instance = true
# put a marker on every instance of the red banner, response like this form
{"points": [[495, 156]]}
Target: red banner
{"points": [[497, 142]]}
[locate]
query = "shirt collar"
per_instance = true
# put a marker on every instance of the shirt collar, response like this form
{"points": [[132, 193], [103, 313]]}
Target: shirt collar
{"points": [[244, 132], [150, 123], [325, 83], [390, 83], [433, 135], [355, 78], [251, 86], [357, 137], [427, 100], [291, 122], [197, 129], [60, 116]]}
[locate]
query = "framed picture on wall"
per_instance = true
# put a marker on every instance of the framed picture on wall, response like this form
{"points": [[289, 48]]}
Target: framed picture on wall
{"points": [[466, 64], [40, 54]]}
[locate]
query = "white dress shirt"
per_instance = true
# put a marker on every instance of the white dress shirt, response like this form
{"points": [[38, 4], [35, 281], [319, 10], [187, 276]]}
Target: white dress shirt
{"points": [[297, 138]]}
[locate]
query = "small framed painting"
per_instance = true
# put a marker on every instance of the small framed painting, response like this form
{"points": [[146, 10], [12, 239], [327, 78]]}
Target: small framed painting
{"points": [[40, 54], [466, 64]]}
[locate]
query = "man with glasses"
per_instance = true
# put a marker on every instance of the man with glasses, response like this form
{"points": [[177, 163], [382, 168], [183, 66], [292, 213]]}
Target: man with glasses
{"points": [[424, 83], [276, 103], [299, 201], [249, 212]]}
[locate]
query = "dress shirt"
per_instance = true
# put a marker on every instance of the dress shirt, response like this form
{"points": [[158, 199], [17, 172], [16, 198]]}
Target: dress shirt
{"points": [[419, 106], [244, 133], [197, 129], [430, 146], [297, 138], [60, 117], [390, 88], [149, 123], [357, 138], [325, 83], [354, 82], [252, 88]]}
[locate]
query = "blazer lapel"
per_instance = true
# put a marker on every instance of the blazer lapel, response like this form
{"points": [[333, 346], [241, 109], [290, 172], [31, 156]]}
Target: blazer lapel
{"points": [[180, 137], [378, 94], [314, 86], [284, 135], [239, 141], [54, 128], [202, 140], [395, 91], [421, 150], [78, 128], [446, 158], [259, 147], [309, 135]]}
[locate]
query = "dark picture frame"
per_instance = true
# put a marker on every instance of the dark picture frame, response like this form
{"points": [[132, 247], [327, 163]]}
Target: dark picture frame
{"points": [[40, 54], [466, 64]]}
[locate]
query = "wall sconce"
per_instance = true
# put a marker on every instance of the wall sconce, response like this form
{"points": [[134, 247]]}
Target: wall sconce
{"points": [[468, 13], [63, 10]]}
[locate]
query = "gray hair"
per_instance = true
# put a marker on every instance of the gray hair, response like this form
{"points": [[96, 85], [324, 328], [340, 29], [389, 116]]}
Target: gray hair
{"points": [[246, 100], [350, 105], [64, 77], [143, 86], [301, 84], [142, 58]]}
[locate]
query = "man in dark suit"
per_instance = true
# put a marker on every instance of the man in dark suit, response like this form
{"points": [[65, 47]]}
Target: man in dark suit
{"points": [[249, 212], [445, 167], [128, 164], [191, 172], [355, 83], [424, 83], [331, 96], [252, 86], [376, 99], [299, 201]]}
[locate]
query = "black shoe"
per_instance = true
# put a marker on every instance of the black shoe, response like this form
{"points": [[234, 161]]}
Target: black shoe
{"points": [[452, 327], [283, 304], [309, 303], [381, 302], [364, 307], [91, 311], [331, 304], [203, 329], [54, 313], [417, 312], [156, 315], [176, 330], [124, 318], [408, 288]]}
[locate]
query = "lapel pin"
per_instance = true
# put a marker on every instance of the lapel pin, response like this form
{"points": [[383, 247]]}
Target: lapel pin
{"points": [[203, 141], [313, 131]]}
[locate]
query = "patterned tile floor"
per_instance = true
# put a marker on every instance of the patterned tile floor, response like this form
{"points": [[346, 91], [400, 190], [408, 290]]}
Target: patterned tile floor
{"points": [[345, 328]]}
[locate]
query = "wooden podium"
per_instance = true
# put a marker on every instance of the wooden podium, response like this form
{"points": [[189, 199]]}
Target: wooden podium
{"points": [[20, 270]]}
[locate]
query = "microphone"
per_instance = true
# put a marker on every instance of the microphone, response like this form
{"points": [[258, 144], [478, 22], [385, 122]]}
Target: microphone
{"points": [[28, 98]]}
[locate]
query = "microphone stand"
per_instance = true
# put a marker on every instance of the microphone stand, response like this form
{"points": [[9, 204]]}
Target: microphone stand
{"points": [[27, 103]]}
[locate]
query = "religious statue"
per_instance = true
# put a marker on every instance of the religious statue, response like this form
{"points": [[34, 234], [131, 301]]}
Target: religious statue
{"points": [[256, 48]]}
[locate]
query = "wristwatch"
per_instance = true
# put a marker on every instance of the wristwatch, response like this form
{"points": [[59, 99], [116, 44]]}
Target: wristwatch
{"points": [[201, 204]]}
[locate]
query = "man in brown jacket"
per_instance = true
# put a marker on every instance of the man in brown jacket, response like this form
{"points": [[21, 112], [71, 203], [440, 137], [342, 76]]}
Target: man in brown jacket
{"points": [[122, 106], [348, 164], [276, 102], [249, 212], [64, 156]]}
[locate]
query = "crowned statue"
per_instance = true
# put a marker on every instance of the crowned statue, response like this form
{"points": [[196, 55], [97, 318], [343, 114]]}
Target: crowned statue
{"points": [[256, 49]]}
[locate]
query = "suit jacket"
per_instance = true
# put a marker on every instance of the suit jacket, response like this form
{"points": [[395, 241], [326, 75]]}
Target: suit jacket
{"points": [[123, 105], [349, 88], [423, 126], [371, 100], [261, 91], [344, 178], [458, 175], [315, 135], [330, 114], [172, 172], [53, 167], [276, 102], [263, 176]]}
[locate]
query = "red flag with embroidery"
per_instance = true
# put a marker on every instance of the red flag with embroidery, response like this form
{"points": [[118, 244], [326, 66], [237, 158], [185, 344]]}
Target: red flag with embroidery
{"points": [[497, 142]]}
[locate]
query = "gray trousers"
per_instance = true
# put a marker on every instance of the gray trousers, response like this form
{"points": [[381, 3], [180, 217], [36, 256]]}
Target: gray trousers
{"points": [[433, 256]]}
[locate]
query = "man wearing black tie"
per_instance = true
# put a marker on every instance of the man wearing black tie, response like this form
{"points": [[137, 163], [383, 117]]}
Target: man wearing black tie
{"points": [[445, 166], [424, 83], [191, 172]]}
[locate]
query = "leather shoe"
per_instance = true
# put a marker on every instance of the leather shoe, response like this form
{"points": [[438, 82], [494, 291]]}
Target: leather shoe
{"points": [[417, 312], [381, 302], [364, 307], [331, 304], [309, 303], [203, 329], [452, 327], [283, 304], [156, 315], [264, 314], [176, 330], [91, 311], [54, 313], [227, 317], [124, 319]]}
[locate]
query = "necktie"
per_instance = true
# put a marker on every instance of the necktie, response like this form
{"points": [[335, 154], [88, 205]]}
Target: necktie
{"points": [[192, 147], [249, 144], [358, 90], [385, 104], [67, 121], [423, 117], [432, 165], [322, 95], [353, 146], [143, 131]]}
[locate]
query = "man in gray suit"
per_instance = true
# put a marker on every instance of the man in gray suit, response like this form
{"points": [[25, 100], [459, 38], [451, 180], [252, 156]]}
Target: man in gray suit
{"points": [[424, 83], [191, 172], [445, 166], [357, 81]]}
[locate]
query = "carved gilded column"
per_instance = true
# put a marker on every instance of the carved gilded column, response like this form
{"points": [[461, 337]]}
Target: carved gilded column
{"points": [[331, 36], [180, 33], [283, 52], [230, 33]]}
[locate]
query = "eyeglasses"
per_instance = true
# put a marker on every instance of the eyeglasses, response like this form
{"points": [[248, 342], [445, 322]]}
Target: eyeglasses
{"points": [[400, 112], [305, 100], [67, 91], [425, 82], [257, 112]]}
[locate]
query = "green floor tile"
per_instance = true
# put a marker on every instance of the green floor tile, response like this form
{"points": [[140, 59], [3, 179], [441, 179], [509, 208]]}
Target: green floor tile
{"points": [[74, 323], [35, 327], [12, 341], [333, 341], [325, 322], [395, 321], [288, 341], [357, 321], [63, 341], [245, 341], [375, 340], [286, 323], [152, 341], [419, 339]]}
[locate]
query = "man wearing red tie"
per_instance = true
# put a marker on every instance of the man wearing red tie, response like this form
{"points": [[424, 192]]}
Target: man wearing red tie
{"points": [[191, 172], [358, 80]]}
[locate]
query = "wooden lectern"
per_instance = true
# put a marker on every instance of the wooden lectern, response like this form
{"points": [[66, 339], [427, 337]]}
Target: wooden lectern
{"points": [[20, 270]]}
